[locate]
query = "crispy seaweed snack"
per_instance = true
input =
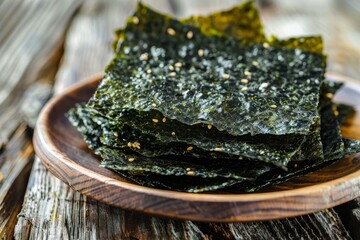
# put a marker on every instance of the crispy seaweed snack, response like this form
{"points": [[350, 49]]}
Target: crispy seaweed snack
{"points": [[223, 90], [209, 102]]}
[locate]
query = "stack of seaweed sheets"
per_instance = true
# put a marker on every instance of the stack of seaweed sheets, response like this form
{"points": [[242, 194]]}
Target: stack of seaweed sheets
{"points": [[209, 102]]}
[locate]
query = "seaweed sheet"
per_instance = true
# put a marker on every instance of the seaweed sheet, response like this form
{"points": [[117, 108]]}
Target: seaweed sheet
{"points": [[148, 171], [168, 165], [199, 83], [115, 87], [119, 135], [312, 44], [242, 22], [179, 183], [333, 147], [173, 138]]}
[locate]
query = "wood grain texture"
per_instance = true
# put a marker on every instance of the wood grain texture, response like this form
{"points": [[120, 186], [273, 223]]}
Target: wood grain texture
{"points": [[31, 37], [15, 166], [25, 61], [77, 217]]}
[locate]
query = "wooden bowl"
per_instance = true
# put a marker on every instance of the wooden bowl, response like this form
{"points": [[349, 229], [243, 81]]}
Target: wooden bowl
{"points": [[63, 151]]}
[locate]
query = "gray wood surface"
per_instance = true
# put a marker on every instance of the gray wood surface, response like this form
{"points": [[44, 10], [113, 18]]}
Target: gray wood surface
{"points": [[31, 38]]}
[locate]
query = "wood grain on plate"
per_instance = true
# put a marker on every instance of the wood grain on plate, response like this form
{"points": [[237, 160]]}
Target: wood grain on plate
{"points": [[65, 154]]}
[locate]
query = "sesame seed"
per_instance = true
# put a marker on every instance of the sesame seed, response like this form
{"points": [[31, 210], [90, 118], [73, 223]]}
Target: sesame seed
{"points": [[295, 165], [155, 120], [116, 134], [255, 63], [264, 85], [154, 104], [144, 57], [244, 89], [200, 52], [226, 76], [171, 68], [173, 133], [262, 152], [189, 34], [129, 144], [188, 169], [209, 126], [247, 73], [135, 19], [190, 173], [172, 74], [244, 81], [149, 71], [329, 95], [131, 159], [178, 65], [336, 113], [218, 149], [273, 106], [266, 45], [189, 148], [171, 31], [164, 120]]}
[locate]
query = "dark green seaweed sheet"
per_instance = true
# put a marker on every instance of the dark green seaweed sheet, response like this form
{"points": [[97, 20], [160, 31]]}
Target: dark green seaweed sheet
{"points": [[179, 183], [92, 134], [112, 90], [120, 135], [312, 44], [199, 83], [168, 165], [172, 137], [333, 147], [242, 22], [296, 169]]}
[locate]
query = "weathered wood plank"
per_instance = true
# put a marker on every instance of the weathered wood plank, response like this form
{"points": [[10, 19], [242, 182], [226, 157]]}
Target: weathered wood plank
{"points": [[52, 210], [15, 168], [31, 39]]}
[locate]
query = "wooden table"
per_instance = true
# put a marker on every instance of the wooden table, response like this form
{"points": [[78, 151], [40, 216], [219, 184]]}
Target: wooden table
{"points": [[46, 46]]}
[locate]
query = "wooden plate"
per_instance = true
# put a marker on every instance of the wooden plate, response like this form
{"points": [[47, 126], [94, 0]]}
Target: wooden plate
{"points": [[66, 155]]}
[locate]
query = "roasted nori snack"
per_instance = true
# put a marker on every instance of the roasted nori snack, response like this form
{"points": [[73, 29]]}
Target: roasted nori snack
{"points": [[242, 22], [167, 112], [207, 88], [212, 86]]}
